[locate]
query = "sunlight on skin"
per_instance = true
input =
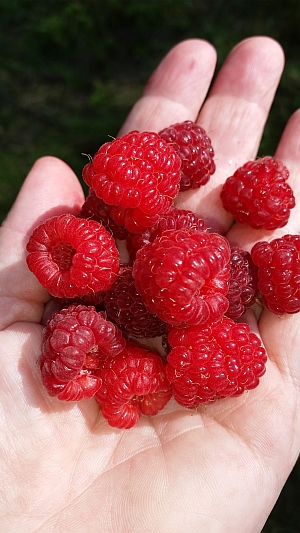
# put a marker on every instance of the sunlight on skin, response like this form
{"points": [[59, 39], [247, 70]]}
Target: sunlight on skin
{"points": [[174, 93], [218, 469]]}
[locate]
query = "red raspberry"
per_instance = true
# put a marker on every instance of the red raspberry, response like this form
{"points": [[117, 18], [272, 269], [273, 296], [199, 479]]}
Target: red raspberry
{"points": [[125, 307], [242, 283], [195, 150], [96, 209], [132, 383], [72, 257], [76, 341], [174, 219], [222, 360], [278, 263], [137, 174], [258, 194], [183, 276]]}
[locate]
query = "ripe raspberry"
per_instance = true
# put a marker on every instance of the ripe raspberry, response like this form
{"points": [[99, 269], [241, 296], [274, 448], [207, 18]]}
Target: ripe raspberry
{"points": [[76, 341], [96, 209], [174, 219], [278, 263], [183, 276], [124, 306], [221, 360], [72, 257], [137, 174], [195, 150], [258, 194], [132, 383], [242, 283]]}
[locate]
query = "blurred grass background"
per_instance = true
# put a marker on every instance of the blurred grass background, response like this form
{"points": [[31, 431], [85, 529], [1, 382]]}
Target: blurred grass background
{"points": [[70, 70]]}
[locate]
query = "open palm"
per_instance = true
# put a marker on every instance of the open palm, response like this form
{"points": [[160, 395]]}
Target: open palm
{"points": [[215, 470]]}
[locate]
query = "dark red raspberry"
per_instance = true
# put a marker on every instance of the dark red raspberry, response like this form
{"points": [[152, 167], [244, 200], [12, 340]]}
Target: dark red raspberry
{"points": [[95, 299], [132, 383], [73, 257], [183, 276], [258, 194], [174, 219], [137, 174], [125, 307], [243, 281], [219, 361], [194, 147], [278, 263], [96, 209], [76, 341]]}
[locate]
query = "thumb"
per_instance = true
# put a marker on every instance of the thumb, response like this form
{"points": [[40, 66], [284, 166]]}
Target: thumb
{"points": [[51, 188]]}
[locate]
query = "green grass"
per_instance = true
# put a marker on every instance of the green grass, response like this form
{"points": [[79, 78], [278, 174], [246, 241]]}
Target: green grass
{"points": [[70, 70]]}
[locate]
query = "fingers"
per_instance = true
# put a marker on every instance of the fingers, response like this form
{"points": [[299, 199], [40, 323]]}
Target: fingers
{"points": [[234, 116], [51, 188], [176, 90]]}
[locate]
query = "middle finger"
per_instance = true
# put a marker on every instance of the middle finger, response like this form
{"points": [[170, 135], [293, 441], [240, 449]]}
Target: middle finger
{"points": [[234, 116]]}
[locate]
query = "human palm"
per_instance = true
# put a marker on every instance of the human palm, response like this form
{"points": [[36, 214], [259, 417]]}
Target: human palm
{"points": [[219, 468]]}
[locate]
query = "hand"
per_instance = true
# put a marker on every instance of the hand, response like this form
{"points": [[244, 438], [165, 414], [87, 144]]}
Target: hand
{"points": [[219, 469]]}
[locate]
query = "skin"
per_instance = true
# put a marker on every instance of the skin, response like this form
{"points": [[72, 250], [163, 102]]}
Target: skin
{"points": [[219, 469]]}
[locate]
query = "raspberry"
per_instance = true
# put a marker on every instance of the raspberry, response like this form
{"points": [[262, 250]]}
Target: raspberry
{"points": [[183, 276], [258, 194], [242, 283], [76, 341], [132, 383], [96, 209], [174, 219], [278, 263], [219, 361], [72, 257], [124, 306], [138, 175], [195, 150]]}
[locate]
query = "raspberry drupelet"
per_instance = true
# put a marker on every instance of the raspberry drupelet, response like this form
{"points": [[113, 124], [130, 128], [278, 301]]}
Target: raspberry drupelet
{"points": [[194, 147], [258, 194], [125, 307], [94, 298], [219, 361], [183, 276], [73, 257], [132, 383], [278, 263], [76, 341], [138, 175]]}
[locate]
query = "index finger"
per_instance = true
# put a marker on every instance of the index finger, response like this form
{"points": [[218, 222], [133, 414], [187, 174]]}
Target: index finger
{"points": [[177, 88]]}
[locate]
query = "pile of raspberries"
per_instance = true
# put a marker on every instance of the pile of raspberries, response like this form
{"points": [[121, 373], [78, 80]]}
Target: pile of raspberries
{"points": [[131, 267]]}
